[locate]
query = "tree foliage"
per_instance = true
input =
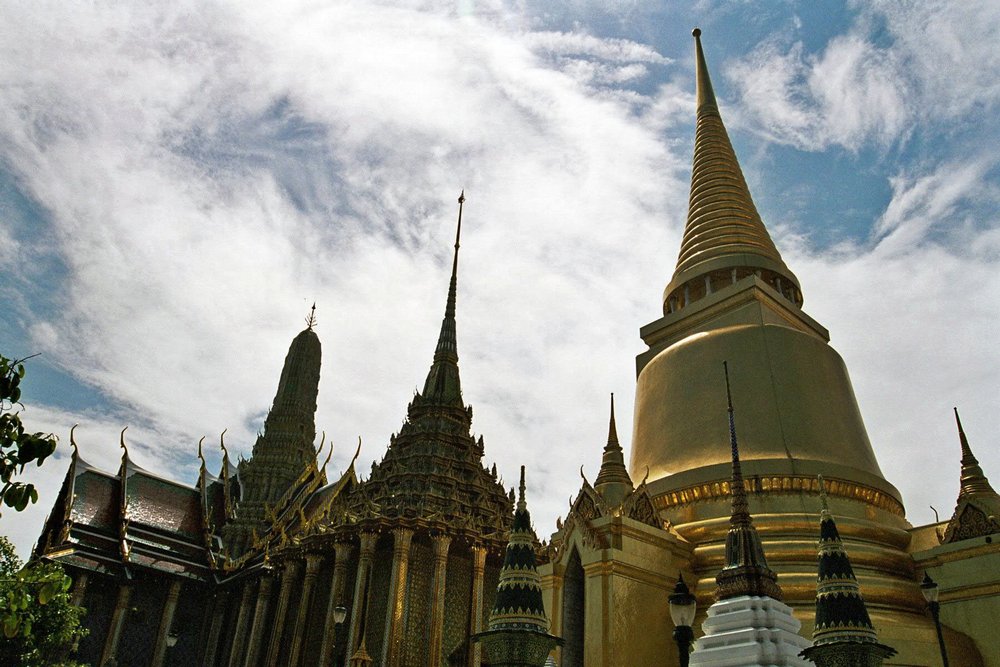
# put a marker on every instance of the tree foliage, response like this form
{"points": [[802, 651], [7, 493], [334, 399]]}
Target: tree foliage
{"points": [[18, 448], [38, 624]]}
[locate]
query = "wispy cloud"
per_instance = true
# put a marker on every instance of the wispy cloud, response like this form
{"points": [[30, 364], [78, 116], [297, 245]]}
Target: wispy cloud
{"points": [[898, 65]]}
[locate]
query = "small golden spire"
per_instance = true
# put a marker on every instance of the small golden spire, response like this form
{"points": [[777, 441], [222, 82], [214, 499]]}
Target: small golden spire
{"points": [[613, 481], [973, 478]]}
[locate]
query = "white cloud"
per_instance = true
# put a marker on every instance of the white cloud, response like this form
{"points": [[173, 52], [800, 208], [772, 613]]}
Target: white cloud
{"points": [[897, 65]]}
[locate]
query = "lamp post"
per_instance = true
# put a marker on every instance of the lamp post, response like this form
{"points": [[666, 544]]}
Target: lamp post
{"points": [[929, 588], [339, 614], [682, 609]]}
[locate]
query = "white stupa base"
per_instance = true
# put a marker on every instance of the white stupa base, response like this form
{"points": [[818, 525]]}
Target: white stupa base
{"points": [[750, 631]]}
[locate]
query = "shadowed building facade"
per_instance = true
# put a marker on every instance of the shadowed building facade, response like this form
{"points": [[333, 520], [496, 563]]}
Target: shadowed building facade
{"points": [[246, 568]]}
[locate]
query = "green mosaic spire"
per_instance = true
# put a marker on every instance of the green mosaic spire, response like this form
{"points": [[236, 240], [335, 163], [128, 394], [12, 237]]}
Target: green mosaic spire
{"points": [[519, 593], [518, 629], [843, 627]]}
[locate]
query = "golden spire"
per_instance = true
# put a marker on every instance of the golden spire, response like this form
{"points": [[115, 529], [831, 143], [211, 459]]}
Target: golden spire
{"points": [[977, 512], [613, 481], [724, 238], [973, 478]]}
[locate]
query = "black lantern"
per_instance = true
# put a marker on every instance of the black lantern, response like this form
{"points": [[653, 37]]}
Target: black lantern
{"points": [[682, 610], [929, 588]]}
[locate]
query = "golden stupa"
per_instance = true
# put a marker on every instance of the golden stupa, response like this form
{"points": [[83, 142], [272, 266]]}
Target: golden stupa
{"points": [[733, 299]]}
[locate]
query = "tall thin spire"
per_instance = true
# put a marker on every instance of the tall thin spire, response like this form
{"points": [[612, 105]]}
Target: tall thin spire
{"points": [[443, 384], [746, 571], [724, 238], [613, 481], [843, 627]]}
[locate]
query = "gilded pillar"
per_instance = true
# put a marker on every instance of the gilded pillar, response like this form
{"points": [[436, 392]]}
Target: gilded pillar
{"points": [[476, 608], [79, 589], [305, 600], [342, 554], [278, 627], [392, 652], [166, 621], [441, 544], [239, 636], [215, 627], [117, 623], [259, 616], [364, 565]]}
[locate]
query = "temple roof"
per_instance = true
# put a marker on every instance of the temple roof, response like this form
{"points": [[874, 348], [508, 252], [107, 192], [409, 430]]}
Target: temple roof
{"points": [[432, 474]]}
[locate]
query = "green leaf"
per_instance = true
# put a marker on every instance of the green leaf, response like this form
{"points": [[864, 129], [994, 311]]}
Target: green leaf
{"points": [[10, 626], [13, 495]]}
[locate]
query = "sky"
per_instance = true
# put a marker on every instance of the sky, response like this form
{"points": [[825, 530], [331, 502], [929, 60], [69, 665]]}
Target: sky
{"points": [[180, 181]]}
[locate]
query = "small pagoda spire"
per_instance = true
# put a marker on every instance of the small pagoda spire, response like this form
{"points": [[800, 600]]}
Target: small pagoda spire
{"points": [[843, 634], [746, 571], [443, 384], [724, 237], [977, 512], [973, 478], [613, 481], [518, 628]]}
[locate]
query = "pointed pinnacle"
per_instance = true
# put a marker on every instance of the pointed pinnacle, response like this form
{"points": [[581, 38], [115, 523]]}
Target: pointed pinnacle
{"points": [[741, 509], [824, 505], [612, 428], [967, 456], [705, 96], [311, 319], [521, 503], [973, 478], [453, 286]]}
